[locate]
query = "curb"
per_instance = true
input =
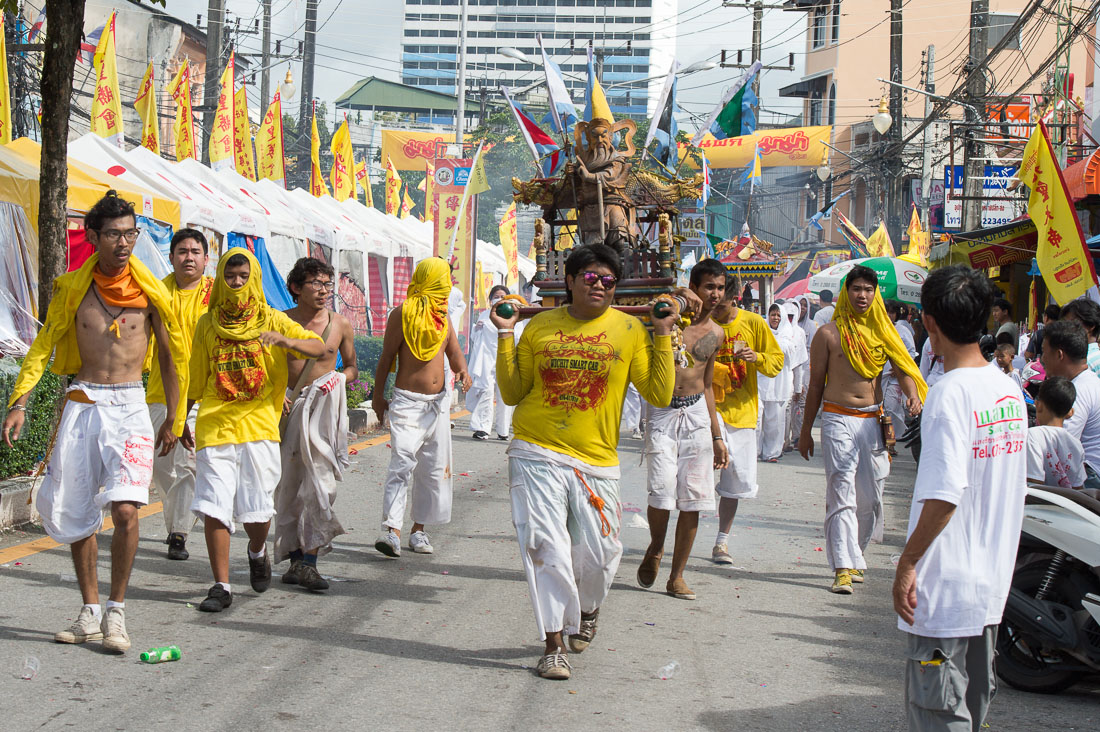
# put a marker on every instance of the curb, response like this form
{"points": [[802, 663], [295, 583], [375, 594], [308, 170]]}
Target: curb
{"points": [[14, 509]]}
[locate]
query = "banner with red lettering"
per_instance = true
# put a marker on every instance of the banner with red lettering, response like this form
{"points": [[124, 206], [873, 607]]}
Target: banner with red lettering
{"points": [[798, 146]]}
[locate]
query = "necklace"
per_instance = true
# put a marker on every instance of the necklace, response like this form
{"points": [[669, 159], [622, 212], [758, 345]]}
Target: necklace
{"points": [[114, 317]]}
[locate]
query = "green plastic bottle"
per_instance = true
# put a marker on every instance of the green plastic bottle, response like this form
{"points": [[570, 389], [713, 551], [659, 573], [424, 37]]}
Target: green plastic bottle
{"points": [[161, 655]]}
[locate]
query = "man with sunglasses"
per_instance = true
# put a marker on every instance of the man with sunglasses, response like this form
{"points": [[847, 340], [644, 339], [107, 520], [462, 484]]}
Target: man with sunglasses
{"points": [[567, 378], [98, 327], [314, 431]]}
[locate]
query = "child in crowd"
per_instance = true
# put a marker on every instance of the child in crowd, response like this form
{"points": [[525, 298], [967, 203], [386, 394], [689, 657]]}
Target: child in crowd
{"points": [[1004, 355], [1054, 456]]}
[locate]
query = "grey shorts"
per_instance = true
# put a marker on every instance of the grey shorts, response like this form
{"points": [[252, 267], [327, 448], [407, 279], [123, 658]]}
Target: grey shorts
{"points": [[949, 682]]}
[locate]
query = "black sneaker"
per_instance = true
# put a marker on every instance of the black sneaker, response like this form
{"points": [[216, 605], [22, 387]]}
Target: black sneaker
{"points": [[259, 572], [503, 438], [479, 435], [177, 546], [311, 579], [217, 599], [293, 575], [580, 640]]}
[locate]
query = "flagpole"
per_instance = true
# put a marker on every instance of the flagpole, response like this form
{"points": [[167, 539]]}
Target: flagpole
{"points": [[462, 205]]}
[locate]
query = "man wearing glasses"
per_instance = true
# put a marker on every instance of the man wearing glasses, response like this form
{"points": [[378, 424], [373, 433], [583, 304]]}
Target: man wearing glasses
{"points": [[314, 430], [567, 378], [174, 474], [98, 328]]}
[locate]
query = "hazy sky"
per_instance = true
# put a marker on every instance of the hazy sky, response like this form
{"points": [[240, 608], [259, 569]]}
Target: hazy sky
{"points": [[359, 38]]}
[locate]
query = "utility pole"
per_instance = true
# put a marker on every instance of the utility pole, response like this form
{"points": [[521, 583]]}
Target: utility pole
{"points": [[757, 40], [265, 61], [926, 167], [305, 110], [460, 111], [893, 164], [756, 52], [215, 32], [974, 166]]}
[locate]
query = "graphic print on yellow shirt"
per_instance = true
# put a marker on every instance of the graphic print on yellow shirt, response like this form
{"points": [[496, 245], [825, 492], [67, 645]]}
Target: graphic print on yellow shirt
{"points": [[739, 407], [574, 370], [238, 369]]}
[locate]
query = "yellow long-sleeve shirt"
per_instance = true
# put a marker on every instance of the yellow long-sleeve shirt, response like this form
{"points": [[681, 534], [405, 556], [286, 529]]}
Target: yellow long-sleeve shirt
{"points": [[740, 405], [567, 379], [188, 306]]}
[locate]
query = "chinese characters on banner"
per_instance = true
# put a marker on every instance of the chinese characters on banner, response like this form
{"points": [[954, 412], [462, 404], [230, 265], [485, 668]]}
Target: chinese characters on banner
{"points": [[269, 143], [184, 127], [1063, 259], [342, 174], [242, 136], [222, 150], [146, 106], [450, 180], [393, 189], [510, 246], [106, 105]]}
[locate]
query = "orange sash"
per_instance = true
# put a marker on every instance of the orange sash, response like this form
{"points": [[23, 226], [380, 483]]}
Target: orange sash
{"points": [[120, 290], [848, 411]]}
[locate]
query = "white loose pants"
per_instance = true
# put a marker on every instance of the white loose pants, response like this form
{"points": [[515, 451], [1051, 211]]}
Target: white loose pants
{"points": [[484, 416], [569, 561], [773, 426], [420, 436], [174, 476], [856, 466]]}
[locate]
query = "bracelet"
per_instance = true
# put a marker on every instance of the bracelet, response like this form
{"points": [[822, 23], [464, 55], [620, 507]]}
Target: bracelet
{"points": [[17, 408], [505, 332], [716, 437]]}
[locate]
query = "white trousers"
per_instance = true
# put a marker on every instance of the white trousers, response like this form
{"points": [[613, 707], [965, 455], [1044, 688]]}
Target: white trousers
{"points": [[420, 436], [484, 415], [797, 411], [174, 476], [856, 466], [893, 401], [103, 453], [569, 561], [738, 478], [632, 410], [773, 427]]}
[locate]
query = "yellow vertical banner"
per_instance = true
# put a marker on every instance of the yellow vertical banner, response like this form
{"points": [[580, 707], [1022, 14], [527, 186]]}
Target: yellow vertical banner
{"points": [[106, 105], [406, 204], [481, 297], [317, 185], [222, 150], [269, 144], [429, 190], [343, 164], [146, 106], [447, 201], [242, 136], [1061, 254], [362, 177], [878, 243], [567, 234], [510, 246], [5, 90], [184, 127], [393, 189]]}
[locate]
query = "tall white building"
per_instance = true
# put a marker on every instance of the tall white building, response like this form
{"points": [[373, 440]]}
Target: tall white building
{"points": [[636, 39]]}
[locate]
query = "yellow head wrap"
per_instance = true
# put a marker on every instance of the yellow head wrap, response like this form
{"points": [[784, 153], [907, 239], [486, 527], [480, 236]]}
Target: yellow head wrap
{"points": [[870, 339], [424, 312], [238, 318]]}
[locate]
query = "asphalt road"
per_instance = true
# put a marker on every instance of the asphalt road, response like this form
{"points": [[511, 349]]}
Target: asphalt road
{"points": [[447, 641]]}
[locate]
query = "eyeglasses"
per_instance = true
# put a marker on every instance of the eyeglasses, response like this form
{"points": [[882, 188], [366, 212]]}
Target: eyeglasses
{"points": [[590, 279], [321, 286], [113, 235]]}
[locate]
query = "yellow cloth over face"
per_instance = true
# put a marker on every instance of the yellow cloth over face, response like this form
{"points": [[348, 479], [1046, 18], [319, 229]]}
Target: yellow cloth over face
{"points": [[870, 339], [238, 317], [58, 333], [424, 312]]}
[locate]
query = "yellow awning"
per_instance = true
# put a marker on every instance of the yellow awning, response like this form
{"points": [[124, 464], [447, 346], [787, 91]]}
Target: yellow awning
{"points": [[87, 185]]}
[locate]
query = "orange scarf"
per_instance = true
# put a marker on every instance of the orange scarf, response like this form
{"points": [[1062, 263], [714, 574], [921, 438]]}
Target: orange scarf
{"points": [[120, 290]]}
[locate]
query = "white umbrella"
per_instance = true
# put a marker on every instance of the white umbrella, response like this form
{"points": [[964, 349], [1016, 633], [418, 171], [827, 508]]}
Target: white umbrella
{"points": [[897, 279]]}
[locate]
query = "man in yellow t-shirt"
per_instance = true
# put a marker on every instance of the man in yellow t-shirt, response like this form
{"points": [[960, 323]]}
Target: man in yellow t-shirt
{"points": [[567, 378], [239, 373], [174, 474], [749, 347]]}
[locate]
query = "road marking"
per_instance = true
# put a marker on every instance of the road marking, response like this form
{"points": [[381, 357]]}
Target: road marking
{"points": [[45, 543]]}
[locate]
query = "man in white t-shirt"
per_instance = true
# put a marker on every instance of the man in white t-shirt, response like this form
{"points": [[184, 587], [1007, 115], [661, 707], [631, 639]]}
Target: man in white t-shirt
{"points": [[825, 314], [956, 569], [1054, 456], [1067, 356], [931, 364]]}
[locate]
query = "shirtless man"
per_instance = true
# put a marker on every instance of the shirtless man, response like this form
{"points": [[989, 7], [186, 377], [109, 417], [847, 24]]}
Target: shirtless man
{"points": [[315, 429], [99, 321], [856, 462], [418, 335], [680, 449]]}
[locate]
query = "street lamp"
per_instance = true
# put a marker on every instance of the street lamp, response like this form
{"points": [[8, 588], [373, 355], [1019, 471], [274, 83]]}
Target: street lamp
{"points": [[516, 54], [882, 119], [699, 66], [287, 90], [823, 173]]}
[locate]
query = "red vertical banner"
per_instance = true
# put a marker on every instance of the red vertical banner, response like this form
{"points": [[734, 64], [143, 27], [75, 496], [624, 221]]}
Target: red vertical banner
{"points": [[451, 176]]}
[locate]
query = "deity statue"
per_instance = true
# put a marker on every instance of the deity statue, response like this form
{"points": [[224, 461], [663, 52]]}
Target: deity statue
{"points": [[605, 211]]}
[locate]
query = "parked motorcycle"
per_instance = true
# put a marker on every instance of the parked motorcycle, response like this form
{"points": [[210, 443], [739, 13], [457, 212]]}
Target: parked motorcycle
{"points": [[1049, 638]]}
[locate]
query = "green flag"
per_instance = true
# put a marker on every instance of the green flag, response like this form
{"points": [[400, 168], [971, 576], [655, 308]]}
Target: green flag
{"points": [[725, 120]]}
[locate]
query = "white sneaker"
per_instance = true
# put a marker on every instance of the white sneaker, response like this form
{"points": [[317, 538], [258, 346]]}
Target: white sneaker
{"points": [[115, 637], [85, 628], [389, 544], [419, 543]]}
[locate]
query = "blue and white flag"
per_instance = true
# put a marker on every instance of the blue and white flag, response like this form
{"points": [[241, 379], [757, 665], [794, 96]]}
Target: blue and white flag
{"points": [[563, 113], [827, 212], [662, 127]]}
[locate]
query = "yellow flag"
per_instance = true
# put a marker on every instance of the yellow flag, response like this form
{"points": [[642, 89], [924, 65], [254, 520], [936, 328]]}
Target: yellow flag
{"points": [[1061, 253], [343, 164], [222, 149], [479, 182], [919, 242], [5, 93], [429, 190], [269, 143], [316, 178], [242, 136], [146, 106], [362, 176], [878, 244], [184, 127], [406, 204], [106, 105], [510, 246], [567, 233], [393, 189], [481, 296]]}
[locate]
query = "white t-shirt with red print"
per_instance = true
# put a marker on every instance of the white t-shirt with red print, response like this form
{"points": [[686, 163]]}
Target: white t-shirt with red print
{"points": [[1055, 457]]}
